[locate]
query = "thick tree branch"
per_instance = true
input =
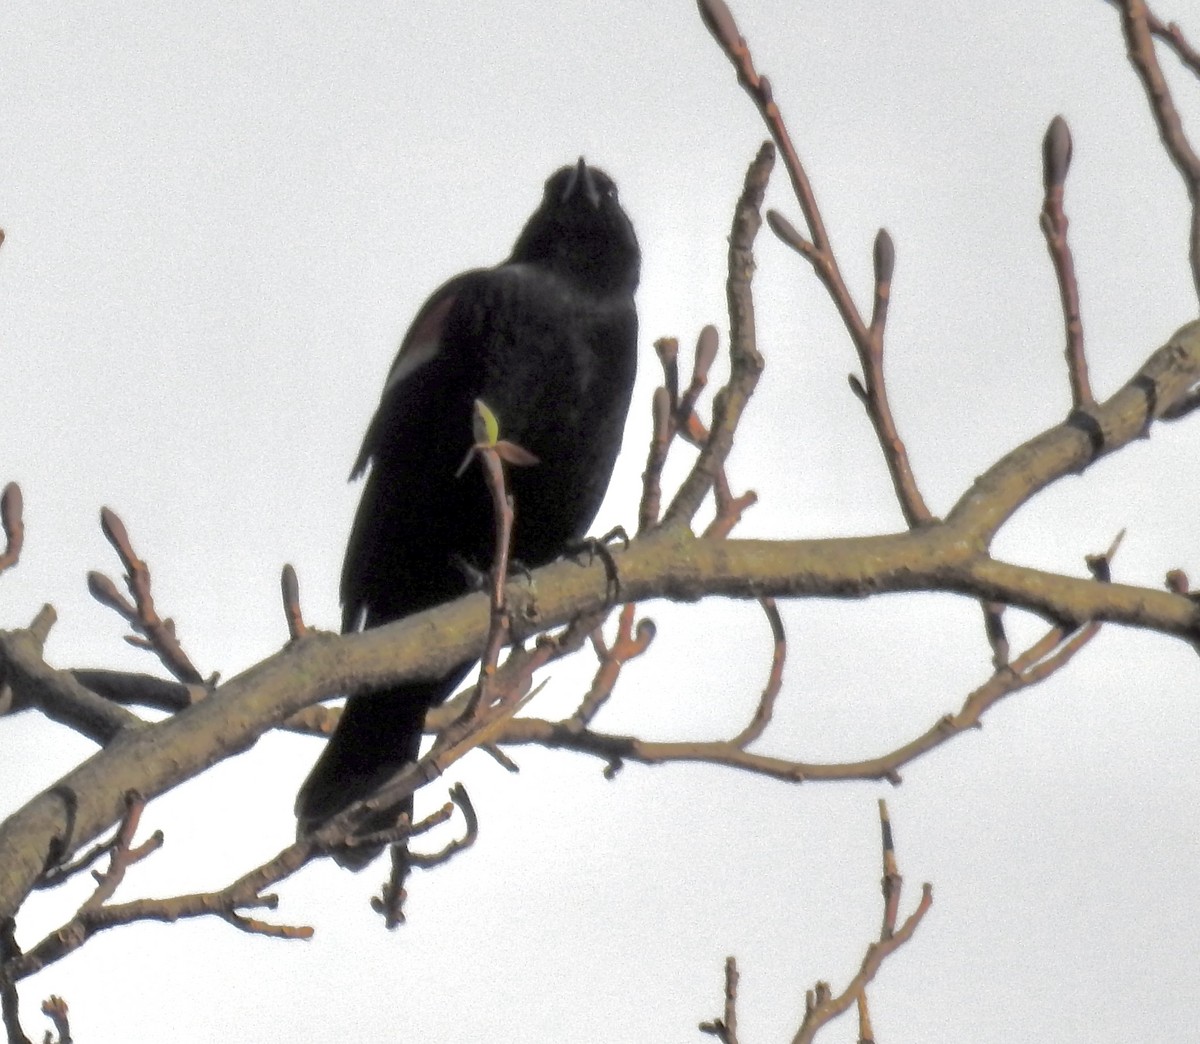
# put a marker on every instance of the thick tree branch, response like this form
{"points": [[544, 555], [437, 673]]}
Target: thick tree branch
{"points": [[56, 693], [668, 563], [1165, 379]]}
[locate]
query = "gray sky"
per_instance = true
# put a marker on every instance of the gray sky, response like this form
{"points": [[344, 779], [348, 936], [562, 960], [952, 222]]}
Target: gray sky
{"points": [[220, 219]]}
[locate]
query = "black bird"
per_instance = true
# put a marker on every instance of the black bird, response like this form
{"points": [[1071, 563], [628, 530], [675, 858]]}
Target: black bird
{"points": [[548, 340]]}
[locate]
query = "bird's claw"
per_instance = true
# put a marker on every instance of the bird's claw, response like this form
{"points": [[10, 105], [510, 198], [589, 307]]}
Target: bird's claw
{"points": [[597, 547]]}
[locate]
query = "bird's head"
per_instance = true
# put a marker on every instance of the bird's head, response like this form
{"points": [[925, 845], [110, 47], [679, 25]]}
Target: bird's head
{"points": [[581, 231]]}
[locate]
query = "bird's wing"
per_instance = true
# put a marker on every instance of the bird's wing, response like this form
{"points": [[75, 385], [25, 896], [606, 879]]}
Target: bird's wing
{"points": [[419, 347]]}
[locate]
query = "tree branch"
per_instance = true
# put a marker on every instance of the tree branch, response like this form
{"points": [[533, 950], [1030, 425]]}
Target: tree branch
{"points": [[668, 563]]}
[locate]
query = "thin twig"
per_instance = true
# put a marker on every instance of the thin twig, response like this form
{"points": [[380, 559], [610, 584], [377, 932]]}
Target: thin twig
{"points": [[1056, 161], [817, 249], [152, 631], [766, 702], [1043, 659], [660, 444], [122, 854], [725, 1028], [490, 455], [462, 801], [822, 1007], [866, 1033], [746, 363], [627, 644], [1135, 21], [11, 510], [244, 893], [1172, 36]]}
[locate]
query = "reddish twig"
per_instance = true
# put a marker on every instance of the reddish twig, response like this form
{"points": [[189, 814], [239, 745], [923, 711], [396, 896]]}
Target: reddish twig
{"points": [[1135, 21], [153, 632], [289, 587], [679, 418], [11, 510], [702, 361], [390, 903], [121, 852], [1044, 658], [821, 1006], [1056, 161], [123, 836], [1173, 37], [627, 644], [817, 249], [493, 453], [766, 702], [480, 715], [461, 800], [675, 415]]}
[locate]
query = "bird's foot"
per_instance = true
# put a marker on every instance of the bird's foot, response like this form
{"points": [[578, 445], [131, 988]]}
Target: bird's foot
{"points": [[597, 547]]}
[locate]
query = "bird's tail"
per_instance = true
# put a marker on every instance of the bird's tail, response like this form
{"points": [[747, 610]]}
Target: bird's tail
{"points": [[379, 733]]}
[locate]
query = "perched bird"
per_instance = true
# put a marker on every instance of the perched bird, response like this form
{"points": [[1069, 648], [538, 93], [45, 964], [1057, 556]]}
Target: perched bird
{"points": [[548, 340]]}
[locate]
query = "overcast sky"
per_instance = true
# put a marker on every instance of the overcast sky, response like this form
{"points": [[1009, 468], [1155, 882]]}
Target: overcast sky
{"points": [[220, 219]]}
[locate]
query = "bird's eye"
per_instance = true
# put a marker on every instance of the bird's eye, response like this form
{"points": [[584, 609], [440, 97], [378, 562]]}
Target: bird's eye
{"points": [[609, 192]]}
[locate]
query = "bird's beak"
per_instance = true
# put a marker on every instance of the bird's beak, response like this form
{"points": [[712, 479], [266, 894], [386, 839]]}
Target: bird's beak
{"points": [[581, 180]]}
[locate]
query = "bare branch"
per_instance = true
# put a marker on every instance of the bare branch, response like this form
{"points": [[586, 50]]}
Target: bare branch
{"points": [[142, 616], [1173, 37], [627, 645], [745, 361], [817, 249], [822, 1007], [1056, 160], [462, 801], [660, 444], [122, 854], [1046, 656], [766, 702], [725, 1028], [1135, 21]]}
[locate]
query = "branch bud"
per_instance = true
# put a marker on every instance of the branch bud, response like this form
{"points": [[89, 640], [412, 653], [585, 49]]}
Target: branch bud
{"points": [[885, 257], [1056, 154]]}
